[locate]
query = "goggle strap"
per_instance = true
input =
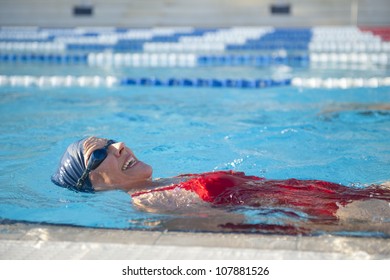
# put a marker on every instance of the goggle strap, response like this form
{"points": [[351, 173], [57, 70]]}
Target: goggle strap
{"points": [[80, 182]]}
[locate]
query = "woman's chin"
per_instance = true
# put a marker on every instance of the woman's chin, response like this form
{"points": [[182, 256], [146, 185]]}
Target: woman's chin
{"points": [[140, 171], [148, 171]]}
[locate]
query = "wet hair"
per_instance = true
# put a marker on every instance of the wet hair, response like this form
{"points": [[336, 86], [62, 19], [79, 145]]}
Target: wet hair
{"points": [[71, 168]]}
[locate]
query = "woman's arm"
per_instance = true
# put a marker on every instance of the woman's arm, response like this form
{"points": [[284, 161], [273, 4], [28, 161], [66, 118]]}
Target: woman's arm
{"points": [[385, 185], [189, 210], [370, 211]]}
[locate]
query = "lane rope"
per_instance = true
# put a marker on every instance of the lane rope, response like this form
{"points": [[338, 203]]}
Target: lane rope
{"points": [[111, 81], [194, 60]]}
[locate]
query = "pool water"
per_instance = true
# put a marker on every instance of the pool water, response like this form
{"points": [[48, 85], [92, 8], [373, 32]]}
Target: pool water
{"points": [[332, 134], [276, 133]]}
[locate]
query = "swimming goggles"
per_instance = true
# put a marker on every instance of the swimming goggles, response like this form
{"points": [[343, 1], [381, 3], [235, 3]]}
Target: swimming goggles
{"points": [[94, 161]]}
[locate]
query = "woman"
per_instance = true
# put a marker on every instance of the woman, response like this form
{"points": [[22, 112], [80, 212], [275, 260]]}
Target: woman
{"points": [[97, 164]]}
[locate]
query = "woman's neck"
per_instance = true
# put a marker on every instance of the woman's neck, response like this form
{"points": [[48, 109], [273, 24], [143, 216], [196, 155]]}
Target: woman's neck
{"points": [[152, 184]]}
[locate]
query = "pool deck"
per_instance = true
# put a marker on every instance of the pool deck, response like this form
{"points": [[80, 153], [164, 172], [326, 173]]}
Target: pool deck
{"points": [[24, 241]]}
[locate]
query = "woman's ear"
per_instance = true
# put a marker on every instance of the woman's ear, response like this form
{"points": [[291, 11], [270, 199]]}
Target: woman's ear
{"points": [[97, 181]]}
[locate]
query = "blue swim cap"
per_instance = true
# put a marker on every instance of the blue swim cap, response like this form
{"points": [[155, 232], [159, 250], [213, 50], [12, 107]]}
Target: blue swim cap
{"points": [[71, 168]]}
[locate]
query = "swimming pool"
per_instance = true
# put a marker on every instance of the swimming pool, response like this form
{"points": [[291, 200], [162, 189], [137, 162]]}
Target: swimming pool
{"points": [[268, 102]]}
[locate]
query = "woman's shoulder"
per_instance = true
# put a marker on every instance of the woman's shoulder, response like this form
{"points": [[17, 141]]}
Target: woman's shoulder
{"points": [[166, 196], [159, 184]]}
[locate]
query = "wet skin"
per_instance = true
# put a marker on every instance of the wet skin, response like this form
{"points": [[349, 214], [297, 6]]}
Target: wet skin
{"points": [[121, 169]]}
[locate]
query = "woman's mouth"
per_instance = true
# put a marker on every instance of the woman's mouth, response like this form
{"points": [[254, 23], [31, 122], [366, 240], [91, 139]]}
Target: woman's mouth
{"points": [[129, 163]]}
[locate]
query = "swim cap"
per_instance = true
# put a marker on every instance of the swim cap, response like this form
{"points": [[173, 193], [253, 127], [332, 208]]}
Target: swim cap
{"points": [[71, 168]]}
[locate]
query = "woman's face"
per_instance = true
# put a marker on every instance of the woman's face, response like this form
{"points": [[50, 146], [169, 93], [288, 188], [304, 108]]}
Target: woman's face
{"points": [[119, 170]]}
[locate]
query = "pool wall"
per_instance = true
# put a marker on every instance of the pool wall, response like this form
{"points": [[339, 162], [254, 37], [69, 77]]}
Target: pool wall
{"points": [[201, 13], [23, 241]]}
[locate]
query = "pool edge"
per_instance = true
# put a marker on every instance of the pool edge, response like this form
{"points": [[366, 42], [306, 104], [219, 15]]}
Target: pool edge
{"points": [[24, 241]]}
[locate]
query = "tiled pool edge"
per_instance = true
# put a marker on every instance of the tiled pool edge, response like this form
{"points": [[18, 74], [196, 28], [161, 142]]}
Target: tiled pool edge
{"points": [[22, 241]]}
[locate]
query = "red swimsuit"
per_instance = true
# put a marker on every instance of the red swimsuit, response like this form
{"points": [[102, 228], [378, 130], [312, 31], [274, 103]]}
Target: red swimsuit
{"points": [[314, 197]]}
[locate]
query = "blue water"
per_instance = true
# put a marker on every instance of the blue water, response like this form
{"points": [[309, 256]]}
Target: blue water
{"points": [[327, 134], [276, 133]]}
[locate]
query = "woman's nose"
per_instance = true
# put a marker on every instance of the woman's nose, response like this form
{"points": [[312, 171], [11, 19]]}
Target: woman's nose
{"points": [[118, 148]]}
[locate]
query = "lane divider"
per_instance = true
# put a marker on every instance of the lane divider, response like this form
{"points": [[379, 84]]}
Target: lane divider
{"points": [[153, 39], [350, 58], [382, 32], [184, 46], [372, 46], [194, 60], [317, 39], [341, 83], [111, 81]]}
